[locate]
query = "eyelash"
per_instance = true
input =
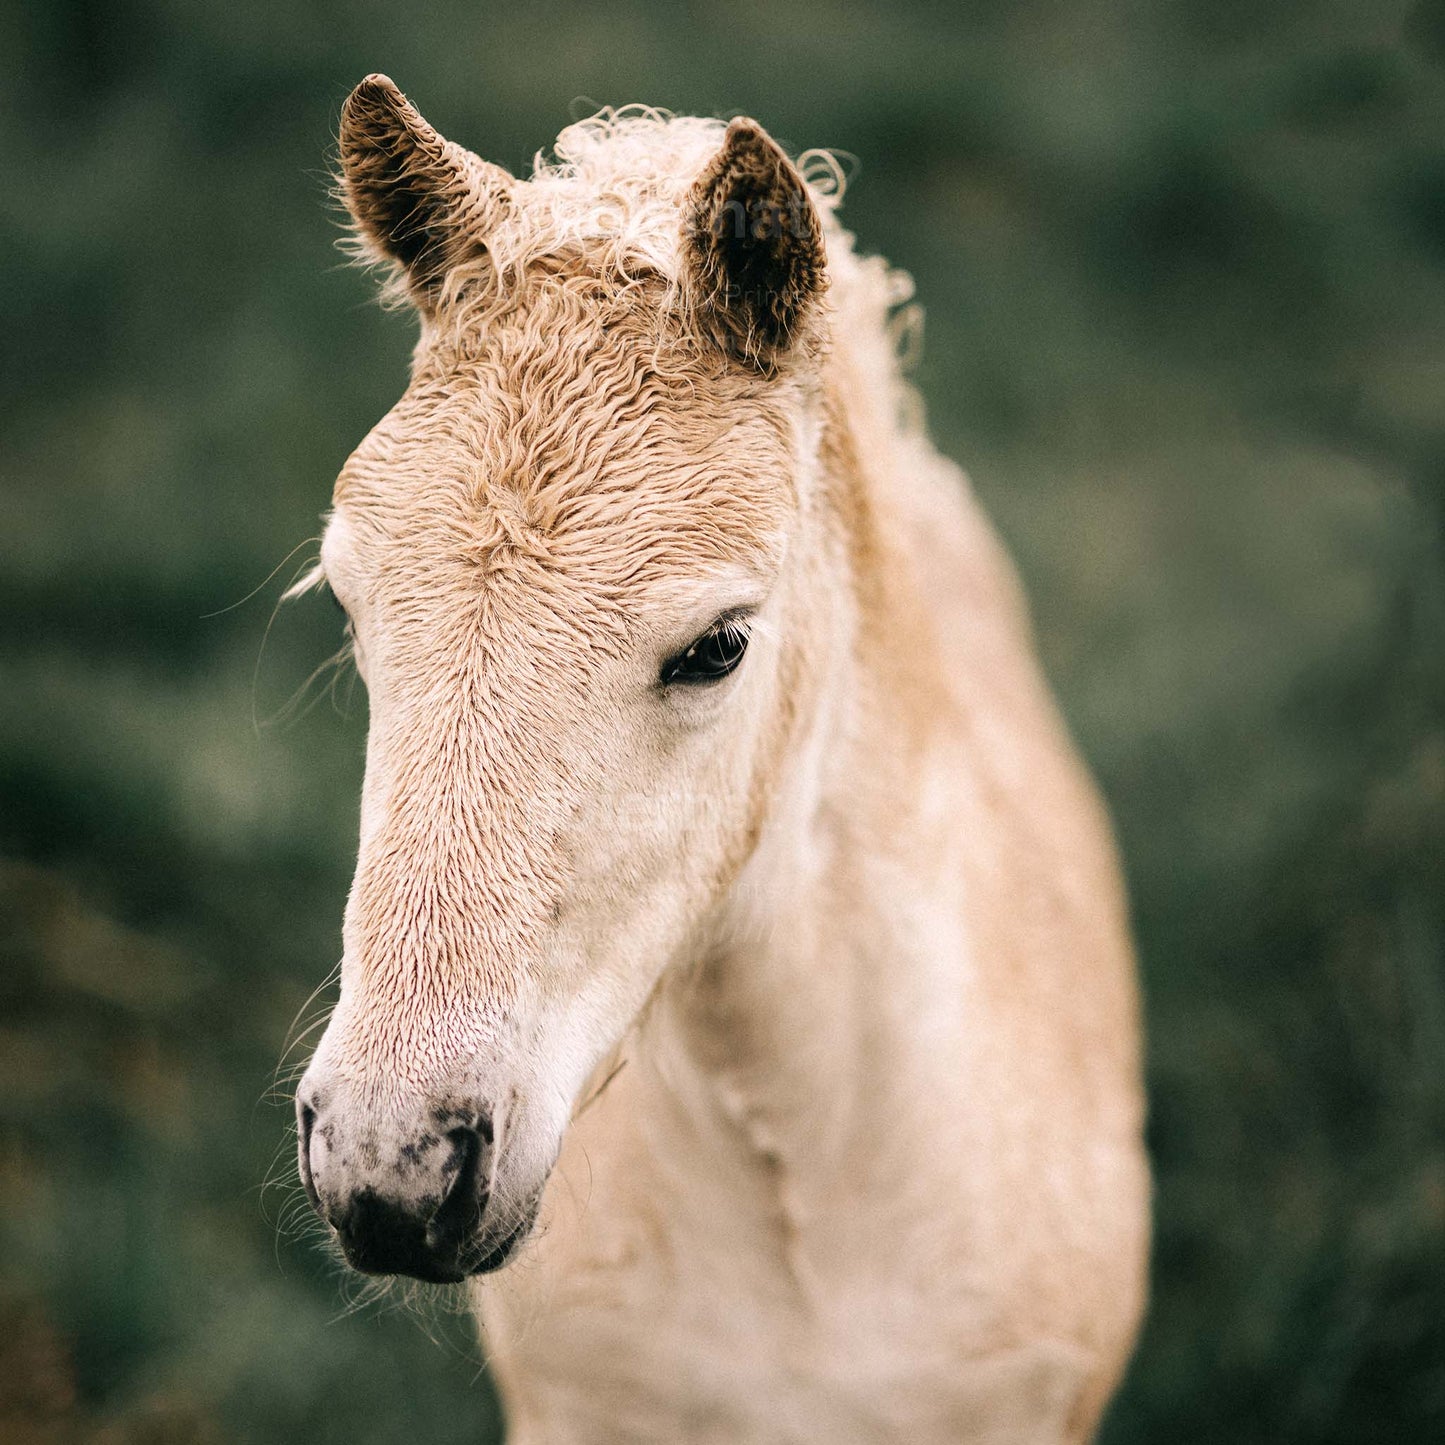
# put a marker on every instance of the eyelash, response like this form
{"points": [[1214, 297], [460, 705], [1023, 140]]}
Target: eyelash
{"points": [[709, 657]]}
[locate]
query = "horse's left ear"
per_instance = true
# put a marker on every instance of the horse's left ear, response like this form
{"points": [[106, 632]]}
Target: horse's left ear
{"points": [[418, 200], [754, 249]]}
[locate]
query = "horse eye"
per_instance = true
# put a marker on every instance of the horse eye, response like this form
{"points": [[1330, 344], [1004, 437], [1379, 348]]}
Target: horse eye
{"points": [[711, 657]]}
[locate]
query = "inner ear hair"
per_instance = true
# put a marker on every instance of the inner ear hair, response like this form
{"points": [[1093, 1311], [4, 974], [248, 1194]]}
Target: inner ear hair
{"points": [[754, 248], [417, 199]]}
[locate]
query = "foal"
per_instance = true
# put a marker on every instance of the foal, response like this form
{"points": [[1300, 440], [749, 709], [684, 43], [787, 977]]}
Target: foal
{"points": [[737, 951]]}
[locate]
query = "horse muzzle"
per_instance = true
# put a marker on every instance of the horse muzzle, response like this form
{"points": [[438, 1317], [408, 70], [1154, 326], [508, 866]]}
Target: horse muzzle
{"points": [[419, 1200]]}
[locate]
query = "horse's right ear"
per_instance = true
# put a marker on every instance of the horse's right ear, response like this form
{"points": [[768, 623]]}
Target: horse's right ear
{"points": [[418, 201]]}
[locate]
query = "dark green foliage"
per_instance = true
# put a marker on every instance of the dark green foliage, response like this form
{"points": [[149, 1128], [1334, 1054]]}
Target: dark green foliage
{"points": [[1184, 268]]}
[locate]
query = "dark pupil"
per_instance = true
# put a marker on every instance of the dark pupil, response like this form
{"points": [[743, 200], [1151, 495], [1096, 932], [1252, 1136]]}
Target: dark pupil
{"points": [[712, 656]]}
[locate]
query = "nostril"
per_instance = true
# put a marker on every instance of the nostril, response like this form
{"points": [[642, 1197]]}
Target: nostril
{"points": [[305, 1123], [461, 1208]]}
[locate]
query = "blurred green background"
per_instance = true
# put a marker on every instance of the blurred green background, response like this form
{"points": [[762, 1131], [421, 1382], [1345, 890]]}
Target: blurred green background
{"points": [[1184, 269]]}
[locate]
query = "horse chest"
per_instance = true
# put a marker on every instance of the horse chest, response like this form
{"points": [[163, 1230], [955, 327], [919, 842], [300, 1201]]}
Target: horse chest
{"points": [[709, 1368], [712, 1324]]}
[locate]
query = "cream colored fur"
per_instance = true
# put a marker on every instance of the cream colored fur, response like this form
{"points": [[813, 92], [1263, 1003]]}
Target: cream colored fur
{"points": [[830, 964]]}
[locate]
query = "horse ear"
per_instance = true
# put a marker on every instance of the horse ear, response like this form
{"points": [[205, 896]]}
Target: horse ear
{"points": [[754, 248], [417, 200]]}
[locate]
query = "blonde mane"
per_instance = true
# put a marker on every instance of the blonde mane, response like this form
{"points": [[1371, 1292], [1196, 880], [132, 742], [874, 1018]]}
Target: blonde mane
{"points": [[606, 205]]}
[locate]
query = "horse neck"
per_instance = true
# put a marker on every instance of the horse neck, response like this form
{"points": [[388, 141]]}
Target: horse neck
{"points": [[793, 1024]]}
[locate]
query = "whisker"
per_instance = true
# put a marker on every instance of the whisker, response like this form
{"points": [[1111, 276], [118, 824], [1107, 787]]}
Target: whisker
{"points": [[266, 637], [221, 611], [292, 710]]}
